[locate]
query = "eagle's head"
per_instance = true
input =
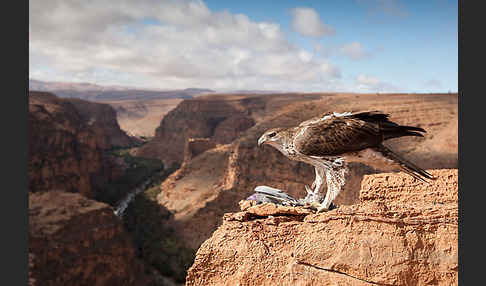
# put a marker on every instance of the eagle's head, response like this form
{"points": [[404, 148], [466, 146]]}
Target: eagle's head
{"points": [[274, 137]]}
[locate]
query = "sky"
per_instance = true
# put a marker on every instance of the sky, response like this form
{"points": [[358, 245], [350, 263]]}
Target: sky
{"points": [[302, 46]]}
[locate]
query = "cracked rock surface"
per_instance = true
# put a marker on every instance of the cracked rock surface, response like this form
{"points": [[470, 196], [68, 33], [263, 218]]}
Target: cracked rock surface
{"points": [[402, 232]]}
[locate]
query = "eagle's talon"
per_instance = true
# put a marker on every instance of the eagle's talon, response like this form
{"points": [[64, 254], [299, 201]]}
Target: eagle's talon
{"points": [[321, 208], [312, 205], [332, 206]]}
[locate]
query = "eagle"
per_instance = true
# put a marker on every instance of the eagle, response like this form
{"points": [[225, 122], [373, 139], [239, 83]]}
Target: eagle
{"points": [[331, 141]]}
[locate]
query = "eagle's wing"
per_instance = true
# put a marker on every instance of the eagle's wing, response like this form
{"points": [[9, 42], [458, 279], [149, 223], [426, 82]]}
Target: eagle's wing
{"points": [[334, 134]]}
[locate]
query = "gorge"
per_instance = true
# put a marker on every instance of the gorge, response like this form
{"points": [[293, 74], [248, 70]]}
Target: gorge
{"points": [[184, 184]]}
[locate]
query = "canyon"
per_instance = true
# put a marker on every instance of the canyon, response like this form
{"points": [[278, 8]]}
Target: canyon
{"points": [[141, 117], [213, 140], [209, 184], [72, 235], [139, 111]]}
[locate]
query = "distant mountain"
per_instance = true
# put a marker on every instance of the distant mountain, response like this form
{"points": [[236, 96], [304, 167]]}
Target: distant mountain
{"points": [[96, 92], [254, 91]]}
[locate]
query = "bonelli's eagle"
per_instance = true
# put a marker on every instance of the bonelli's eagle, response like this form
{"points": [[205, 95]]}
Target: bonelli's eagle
{"points": [[331, 141]]}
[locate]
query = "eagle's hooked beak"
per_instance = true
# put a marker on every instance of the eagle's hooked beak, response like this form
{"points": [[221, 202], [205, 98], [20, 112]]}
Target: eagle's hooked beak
{"points": [[261, 141]]}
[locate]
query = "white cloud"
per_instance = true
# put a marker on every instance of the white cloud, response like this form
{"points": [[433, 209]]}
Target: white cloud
{"points": [[305, 56], [307, 22], [186, 44], [367, 83], [355, 51]]}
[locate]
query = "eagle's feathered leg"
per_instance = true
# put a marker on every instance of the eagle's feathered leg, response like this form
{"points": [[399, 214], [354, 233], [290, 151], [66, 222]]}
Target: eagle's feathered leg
{"points": [[335, 179], [310, 191], [314, 196], [318, 182]]}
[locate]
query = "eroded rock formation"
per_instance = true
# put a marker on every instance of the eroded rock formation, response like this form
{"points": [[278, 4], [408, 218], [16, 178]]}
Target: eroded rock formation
{"points": [[77, 241], [196, 146], [102, 120], [67, 140], [402, 232], [220, 120], [211, 183]]}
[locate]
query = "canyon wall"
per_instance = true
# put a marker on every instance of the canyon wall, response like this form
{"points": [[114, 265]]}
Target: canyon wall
{"points": [[211, 183], [221, 118], [77, 241], [67, 143], [402, 232], [102, 120]]}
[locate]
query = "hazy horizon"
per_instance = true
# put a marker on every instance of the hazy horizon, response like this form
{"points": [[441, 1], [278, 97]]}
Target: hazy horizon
{"points": [[360, 46]]}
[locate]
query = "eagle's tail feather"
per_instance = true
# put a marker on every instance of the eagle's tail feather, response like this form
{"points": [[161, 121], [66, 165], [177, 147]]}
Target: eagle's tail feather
{"points": [[411, 133], [407, 166], [400, 131], [389, 128], [413, 128]]}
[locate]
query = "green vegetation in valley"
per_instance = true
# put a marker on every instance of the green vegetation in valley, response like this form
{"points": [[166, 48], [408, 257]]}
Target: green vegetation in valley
{"points": [[145, 220], [155, 241], [138, 171]]}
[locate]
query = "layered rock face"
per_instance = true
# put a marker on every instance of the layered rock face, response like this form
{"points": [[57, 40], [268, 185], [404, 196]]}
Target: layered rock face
{"points": [[63, 152], [102, 120], [77, 241], [220, 120], [211, 183], [402, 232], [66, 144], [196, 146]]}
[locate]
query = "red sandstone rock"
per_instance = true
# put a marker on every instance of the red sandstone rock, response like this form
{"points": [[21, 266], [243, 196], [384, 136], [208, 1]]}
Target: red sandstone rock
{"points": [[402, 232], [212, 183], [66, 144], [102, 120], [223, 118], [77, 241], [196, 146], [195, 118]]}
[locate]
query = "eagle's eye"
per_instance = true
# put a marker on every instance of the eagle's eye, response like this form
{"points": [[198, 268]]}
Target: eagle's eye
{"points": [[272, 134]]}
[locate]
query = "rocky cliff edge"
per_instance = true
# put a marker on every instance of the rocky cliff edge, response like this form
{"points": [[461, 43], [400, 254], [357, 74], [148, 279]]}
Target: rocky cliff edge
{"points": [[77, 241], [402, 232]]}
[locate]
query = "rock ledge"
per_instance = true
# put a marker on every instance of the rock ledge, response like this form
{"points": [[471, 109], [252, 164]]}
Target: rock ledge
{"points": [[402, 232]]}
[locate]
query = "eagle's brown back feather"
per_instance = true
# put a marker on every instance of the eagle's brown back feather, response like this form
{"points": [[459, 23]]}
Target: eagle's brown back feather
{"points": [[334, 135]]}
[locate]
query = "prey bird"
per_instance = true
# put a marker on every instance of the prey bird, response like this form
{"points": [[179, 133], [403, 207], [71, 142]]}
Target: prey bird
{"points": [[331, 141]]}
